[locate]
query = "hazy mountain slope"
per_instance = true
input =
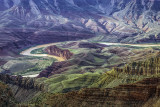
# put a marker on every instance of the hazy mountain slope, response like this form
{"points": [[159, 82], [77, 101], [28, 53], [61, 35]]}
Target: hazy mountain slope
{"points": [[115, 20]]}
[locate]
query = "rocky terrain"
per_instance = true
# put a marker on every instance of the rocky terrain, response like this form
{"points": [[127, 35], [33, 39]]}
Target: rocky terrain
{"points": [[26, 83], [139, 94], [148, 67], [22, 89], [54, 50]]}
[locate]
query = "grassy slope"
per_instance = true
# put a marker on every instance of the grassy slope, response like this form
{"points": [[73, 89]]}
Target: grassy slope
{"points": [[91, 61], [38, 51], [27, 65]]}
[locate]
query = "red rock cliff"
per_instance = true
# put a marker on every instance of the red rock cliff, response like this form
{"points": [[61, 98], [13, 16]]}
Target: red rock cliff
{"points": [[54, 50]]}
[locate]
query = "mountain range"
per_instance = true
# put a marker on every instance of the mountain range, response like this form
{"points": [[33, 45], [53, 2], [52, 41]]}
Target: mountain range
{"points": [[127, 21]]}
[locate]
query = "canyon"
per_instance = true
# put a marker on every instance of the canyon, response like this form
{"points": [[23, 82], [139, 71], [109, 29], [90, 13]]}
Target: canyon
{"points": [[79, 53], [89, 58], [21, 89], [25, 23], [143, 93]]}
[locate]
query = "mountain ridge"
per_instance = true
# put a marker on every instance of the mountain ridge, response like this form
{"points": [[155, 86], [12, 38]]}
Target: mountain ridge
{"points": [[125, 21]]}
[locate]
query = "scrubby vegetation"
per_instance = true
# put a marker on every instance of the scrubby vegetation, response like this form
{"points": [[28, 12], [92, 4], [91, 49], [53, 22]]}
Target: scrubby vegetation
{"points": [[148, 67], [6, 96]]}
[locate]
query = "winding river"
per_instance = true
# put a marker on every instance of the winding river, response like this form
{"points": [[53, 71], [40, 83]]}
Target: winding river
{"points": [[134, 45], [28, 52], [59, 59]]}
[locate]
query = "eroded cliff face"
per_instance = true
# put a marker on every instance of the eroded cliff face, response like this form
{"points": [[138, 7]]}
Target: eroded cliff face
{"points": [[55, 68], [136, 94], [54, 50], [27, 83], [147, 67], [124, 95], [22, 89]]}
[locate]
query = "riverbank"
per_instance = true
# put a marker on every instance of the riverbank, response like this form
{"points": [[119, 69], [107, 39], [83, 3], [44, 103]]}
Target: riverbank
{"points": [[28, 52]]}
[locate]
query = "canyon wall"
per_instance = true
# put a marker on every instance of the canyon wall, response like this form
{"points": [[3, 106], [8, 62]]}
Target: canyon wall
{"points": [[55, 68], [147, 67], [133, 95], [23, 89], [26, 83], [123, 95]]}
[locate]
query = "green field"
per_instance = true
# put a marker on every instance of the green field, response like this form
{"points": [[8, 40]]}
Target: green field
{"points": [[38, 51]]}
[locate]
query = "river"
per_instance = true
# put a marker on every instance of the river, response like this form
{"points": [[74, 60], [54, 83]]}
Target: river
{"points": [[59, 59]]}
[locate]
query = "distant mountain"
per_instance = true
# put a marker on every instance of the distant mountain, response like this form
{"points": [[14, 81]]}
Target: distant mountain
{"points": [[130, 21]]}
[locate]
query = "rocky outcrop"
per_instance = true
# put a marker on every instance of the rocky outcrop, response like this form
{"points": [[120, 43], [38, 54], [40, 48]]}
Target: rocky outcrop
{"points": [[23, 89], [55, 68], [54, 50], [148, 67]]}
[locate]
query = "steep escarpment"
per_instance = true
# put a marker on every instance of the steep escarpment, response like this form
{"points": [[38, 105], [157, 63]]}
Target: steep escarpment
{"points": [[136, 94], [27, 83], [148, 67], [54, 50], [23, 89]]}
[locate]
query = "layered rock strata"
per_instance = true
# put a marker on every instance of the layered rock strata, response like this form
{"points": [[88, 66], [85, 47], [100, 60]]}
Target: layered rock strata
{"points": [[133, 95], [54, 50]]}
